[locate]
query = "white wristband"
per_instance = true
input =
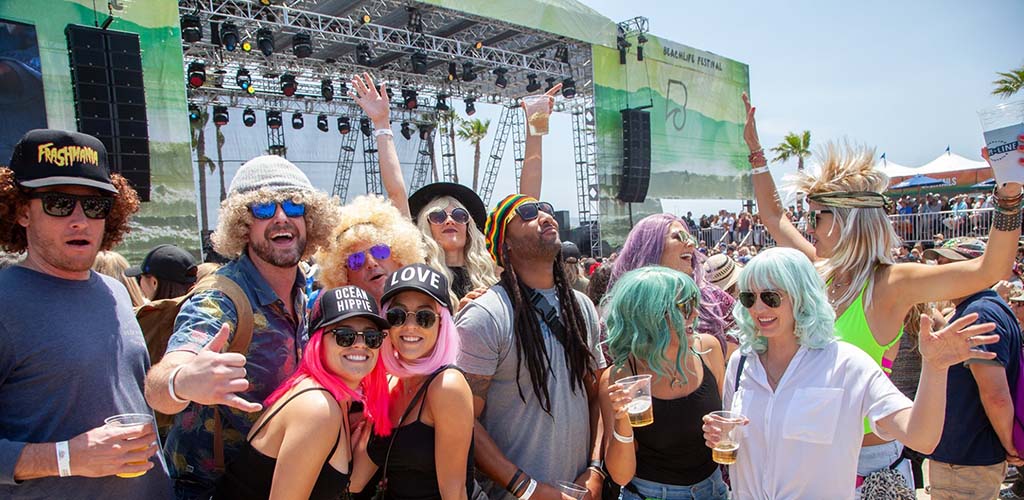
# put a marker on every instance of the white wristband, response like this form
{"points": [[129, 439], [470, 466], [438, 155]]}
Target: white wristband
{"points": [[620, 438], [63, 459], [529, 490], [384, 131], [170, 385], [759, 170]]}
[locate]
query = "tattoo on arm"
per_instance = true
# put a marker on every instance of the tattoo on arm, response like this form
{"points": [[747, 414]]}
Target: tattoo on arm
{"points": [[479, 384]]}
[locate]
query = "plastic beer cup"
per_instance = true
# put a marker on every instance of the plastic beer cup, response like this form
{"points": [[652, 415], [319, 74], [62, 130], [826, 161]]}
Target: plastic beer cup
{"points": [[538, 110], [727, 448], [571, 490], [132, 420], [1002, 125], [639, 408]]}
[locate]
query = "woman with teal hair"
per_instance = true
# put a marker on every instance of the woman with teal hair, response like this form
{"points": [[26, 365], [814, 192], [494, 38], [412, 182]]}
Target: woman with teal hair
{"points": [[651, 315], [804, 395]]}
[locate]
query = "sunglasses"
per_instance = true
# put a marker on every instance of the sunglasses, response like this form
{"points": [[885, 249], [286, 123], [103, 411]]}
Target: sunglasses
{"points": [[439, 216], [531, 210], [425, 319], [267, 210], [769, 298], [812, 218], [686, 307], [345, 337], [684, 238], [63, 204], [357, 260]]}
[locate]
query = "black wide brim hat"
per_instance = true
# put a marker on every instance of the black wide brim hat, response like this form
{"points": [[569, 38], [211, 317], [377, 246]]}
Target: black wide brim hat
{"points": [[469, 199]]}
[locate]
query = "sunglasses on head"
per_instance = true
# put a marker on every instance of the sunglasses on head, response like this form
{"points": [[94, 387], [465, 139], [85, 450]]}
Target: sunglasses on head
{"points": [[62, 204], [531, 210], [345, 337], [438, 216], [357, 260], [769, 298], [268, 209], [812, 217], [425, 319]]}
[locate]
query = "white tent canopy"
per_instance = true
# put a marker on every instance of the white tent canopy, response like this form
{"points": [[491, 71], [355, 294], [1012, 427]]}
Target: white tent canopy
{"points": [[949, 162], [893, 169]]}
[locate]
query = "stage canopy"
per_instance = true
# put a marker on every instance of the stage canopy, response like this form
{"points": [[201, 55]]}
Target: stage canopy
{"points": [[567, 18]]}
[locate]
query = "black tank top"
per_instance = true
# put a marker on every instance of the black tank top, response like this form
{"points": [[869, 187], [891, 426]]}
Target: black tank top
{"points": [[672, 449], [251, 475], [411, 468]]}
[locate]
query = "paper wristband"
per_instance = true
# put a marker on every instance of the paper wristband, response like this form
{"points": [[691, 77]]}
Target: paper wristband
{"points": [[63, 459]]}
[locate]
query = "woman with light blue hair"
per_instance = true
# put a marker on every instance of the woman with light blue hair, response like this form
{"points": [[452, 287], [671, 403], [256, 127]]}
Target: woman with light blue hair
{"points": [[804, 394]]}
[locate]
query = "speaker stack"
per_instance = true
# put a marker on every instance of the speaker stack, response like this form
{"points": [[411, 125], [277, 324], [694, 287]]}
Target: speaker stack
{"points": [[636, 156]]}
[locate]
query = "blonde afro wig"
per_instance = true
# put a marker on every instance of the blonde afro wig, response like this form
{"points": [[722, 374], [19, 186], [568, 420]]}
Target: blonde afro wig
{"points": [[232, 234]]}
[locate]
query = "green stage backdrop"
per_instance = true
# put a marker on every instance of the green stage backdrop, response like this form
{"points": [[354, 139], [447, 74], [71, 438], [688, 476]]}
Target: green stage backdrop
{"points": [[697, 149], [171, 216]]}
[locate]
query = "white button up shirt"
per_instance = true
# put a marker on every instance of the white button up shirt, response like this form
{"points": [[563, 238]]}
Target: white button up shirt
{"points": [[804, 438]]}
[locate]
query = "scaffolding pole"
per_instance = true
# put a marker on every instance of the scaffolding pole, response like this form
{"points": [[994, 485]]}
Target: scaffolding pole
{"points": [[449, 170], [346, 157], [372, 165], [584, 140], [518, 143], [505, 122]]}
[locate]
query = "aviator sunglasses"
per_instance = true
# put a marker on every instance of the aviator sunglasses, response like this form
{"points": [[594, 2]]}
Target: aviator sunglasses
{"points": [[770, 298], [438, 216], [357, 260], [812, 217], [266, 210], [63, 204], [684, 238], [531, 210], [345, 337], [424, 318]]}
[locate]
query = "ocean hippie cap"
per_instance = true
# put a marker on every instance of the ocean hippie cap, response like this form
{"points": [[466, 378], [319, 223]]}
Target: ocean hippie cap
{"points": [[48, 157], [269, 172], [338, 304]]}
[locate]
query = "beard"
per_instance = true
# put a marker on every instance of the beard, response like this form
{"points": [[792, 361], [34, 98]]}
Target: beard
{"points": [[280, 257]]}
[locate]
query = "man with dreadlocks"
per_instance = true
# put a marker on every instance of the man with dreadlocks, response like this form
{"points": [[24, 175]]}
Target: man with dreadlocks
{"points": [[529, 349]]}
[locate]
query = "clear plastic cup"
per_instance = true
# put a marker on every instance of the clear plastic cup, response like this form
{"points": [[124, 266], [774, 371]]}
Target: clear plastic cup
{"points": [[727, 448], [1002, 125], [538, 110], [571, 490], [133, 420], [640, 407]]}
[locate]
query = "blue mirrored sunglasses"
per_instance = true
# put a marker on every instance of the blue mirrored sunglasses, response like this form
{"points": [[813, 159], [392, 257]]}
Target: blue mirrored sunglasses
{"points": [[267, 209]]}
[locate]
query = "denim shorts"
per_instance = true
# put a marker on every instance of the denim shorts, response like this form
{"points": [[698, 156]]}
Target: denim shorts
{"points": [[880, 456], [712, 488]]}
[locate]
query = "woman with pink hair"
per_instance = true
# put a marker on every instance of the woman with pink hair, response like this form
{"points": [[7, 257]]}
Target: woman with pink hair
{"points": [[286, 454], [429, 452]]}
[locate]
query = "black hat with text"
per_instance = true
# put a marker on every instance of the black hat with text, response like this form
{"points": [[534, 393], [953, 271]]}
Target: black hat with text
{"points": [[48, 157], [421, 278], [335, 305]]}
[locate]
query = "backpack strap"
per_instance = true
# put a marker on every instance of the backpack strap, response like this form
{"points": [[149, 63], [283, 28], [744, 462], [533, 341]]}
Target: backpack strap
{"points": [[739, 371]]}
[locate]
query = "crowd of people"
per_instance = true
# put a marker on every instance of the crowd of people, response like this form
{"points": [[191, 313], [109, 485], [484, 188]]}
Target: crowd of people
{"points": [[419, 346]]}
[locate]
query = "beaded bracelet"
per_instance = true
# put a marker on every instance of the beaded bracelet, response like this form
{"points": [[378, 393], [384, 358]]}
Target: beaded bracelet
{"points": [[1006, 222]]}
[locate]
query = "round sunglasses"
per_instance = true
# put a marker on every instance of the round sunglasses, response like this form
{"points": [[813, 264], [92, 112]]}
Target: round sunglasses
{"points": [[267, 210], [397, 316], [769, 298], [357, 260], [63, 204], [439, 216], [345, 337]]}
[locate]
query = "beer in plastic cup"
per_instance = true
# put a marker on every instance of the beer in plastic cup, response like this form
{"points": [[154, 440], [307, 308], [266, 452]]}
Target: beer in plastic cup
{"points": [[571, 490], [132, 420], [639, 408], [538, 110], [728, 446], [1002, 125]]}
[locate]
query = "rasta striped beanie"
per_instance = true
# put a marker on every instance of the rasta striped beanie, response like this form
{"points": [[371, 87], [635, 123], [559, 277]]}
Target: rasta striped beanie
{"points": [[497, 220]]}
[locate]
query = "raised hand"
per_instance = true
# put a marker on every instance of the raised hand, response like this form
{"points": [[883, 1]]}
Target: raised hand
{"points": [[750, 128], [373, 100], [214, 378], [109, 450], [956, 342]]}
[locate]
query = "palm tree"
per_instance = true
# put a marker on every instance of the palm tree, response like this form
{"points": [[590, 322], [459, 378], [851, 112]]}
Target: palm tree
{"points": [[473, 132], [1010, 83], [449, 121], [794, 146], [199, 146], [220, 162]]}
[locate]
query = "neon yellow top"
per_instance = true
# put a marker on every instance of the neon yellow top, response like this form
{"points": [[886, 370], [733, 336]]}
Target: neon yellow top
{"points": [[852, 328]]}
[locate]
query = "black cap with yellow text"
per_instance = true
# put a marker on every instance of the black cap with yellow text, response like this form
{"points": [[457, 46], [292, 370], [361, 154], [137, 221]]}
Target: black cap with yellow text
{"points": [[48, 157]]}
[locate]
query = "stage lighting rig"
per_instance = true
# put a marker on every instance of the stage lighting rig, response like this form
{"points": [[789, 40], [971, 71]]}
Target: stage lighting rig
{"points": [[441, 104], [419, 63], [321, 123], [406, 131], [562, 54], [229, 36], [468, 74], [415, 23], [265, 41], [243, 79], [640, 41], [365, 19], [327, 89], [196, 74], [288, 85], [344, 125], [364, 126], [453, 71], [501, 81], [425, 131], [220, 115], [302, 45], [297, 121], [551, 83], [246, 45], [470, 106], [194, 113], [532, 85], [363, 56], [274, 119], [248, 117], [191, 28], [409, 99], [568, 88]]}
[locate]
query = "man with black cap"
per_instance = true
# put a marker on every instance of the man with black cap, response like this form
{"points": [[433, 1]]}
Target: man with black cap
{"points": [[271, 219], [167, 272], [71, 353]]}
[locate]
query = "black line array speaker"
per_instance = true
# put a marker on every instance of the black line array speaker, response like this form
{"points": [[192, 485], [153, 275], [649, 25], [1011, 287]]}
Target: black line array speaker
{"points": [[636, 156], [110, 103], [562, 218]]}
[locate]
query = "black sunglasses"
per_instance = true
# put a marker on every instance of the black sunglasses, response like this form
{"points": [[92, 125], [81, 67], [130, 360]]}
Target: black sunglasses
{"points": [[812, 217], [345, 337], [424, 318], [63, 204], [531, 210], [439, 216], [770, 298]]}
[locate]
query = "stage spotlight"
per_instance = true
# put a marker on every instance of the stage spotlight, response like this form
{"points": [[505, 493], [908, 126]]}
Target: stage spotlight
{"points": [[220, 115], [409, 99], [391, 94], [274, 119], [501, 81], [640, 41], [562, 54], [249, 117], [269, 2], [243, 79], [196, 74], [364, 126], [194, 113], [191, 28], [470, 106], [468, 74], [321, 123], [623, 46], [302, 45], [327, 89], [478, 45], [288, 85], [453, 71], [365, 19], [406, 131], [229, 36], [265, 41], [415, 23], [419, 63], [551, 83], [532, 84], [363, 54], [246, 45], [568, 88], [297, 121], [441, 104], [425, 131], [344, 125]]}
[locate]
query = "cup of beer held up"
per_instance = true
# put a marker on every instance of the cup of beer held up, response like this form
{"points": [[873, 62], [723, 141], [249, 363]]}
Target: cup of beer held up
{"points": [[639, 408], [538, 110], [132, 420], [1002, 126], [728, 445]]}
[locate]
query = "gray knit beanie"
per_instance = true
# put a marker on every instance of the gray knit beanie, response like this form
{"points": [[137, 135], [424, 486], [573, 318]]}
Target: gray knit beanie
{"points": [[269, 172]]}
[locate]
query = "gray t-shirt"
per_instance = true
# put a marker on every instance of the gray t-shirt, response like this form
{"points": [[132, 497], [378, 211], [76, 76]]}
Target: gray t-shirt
{"points": [[71, 355], [549, 448]]}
